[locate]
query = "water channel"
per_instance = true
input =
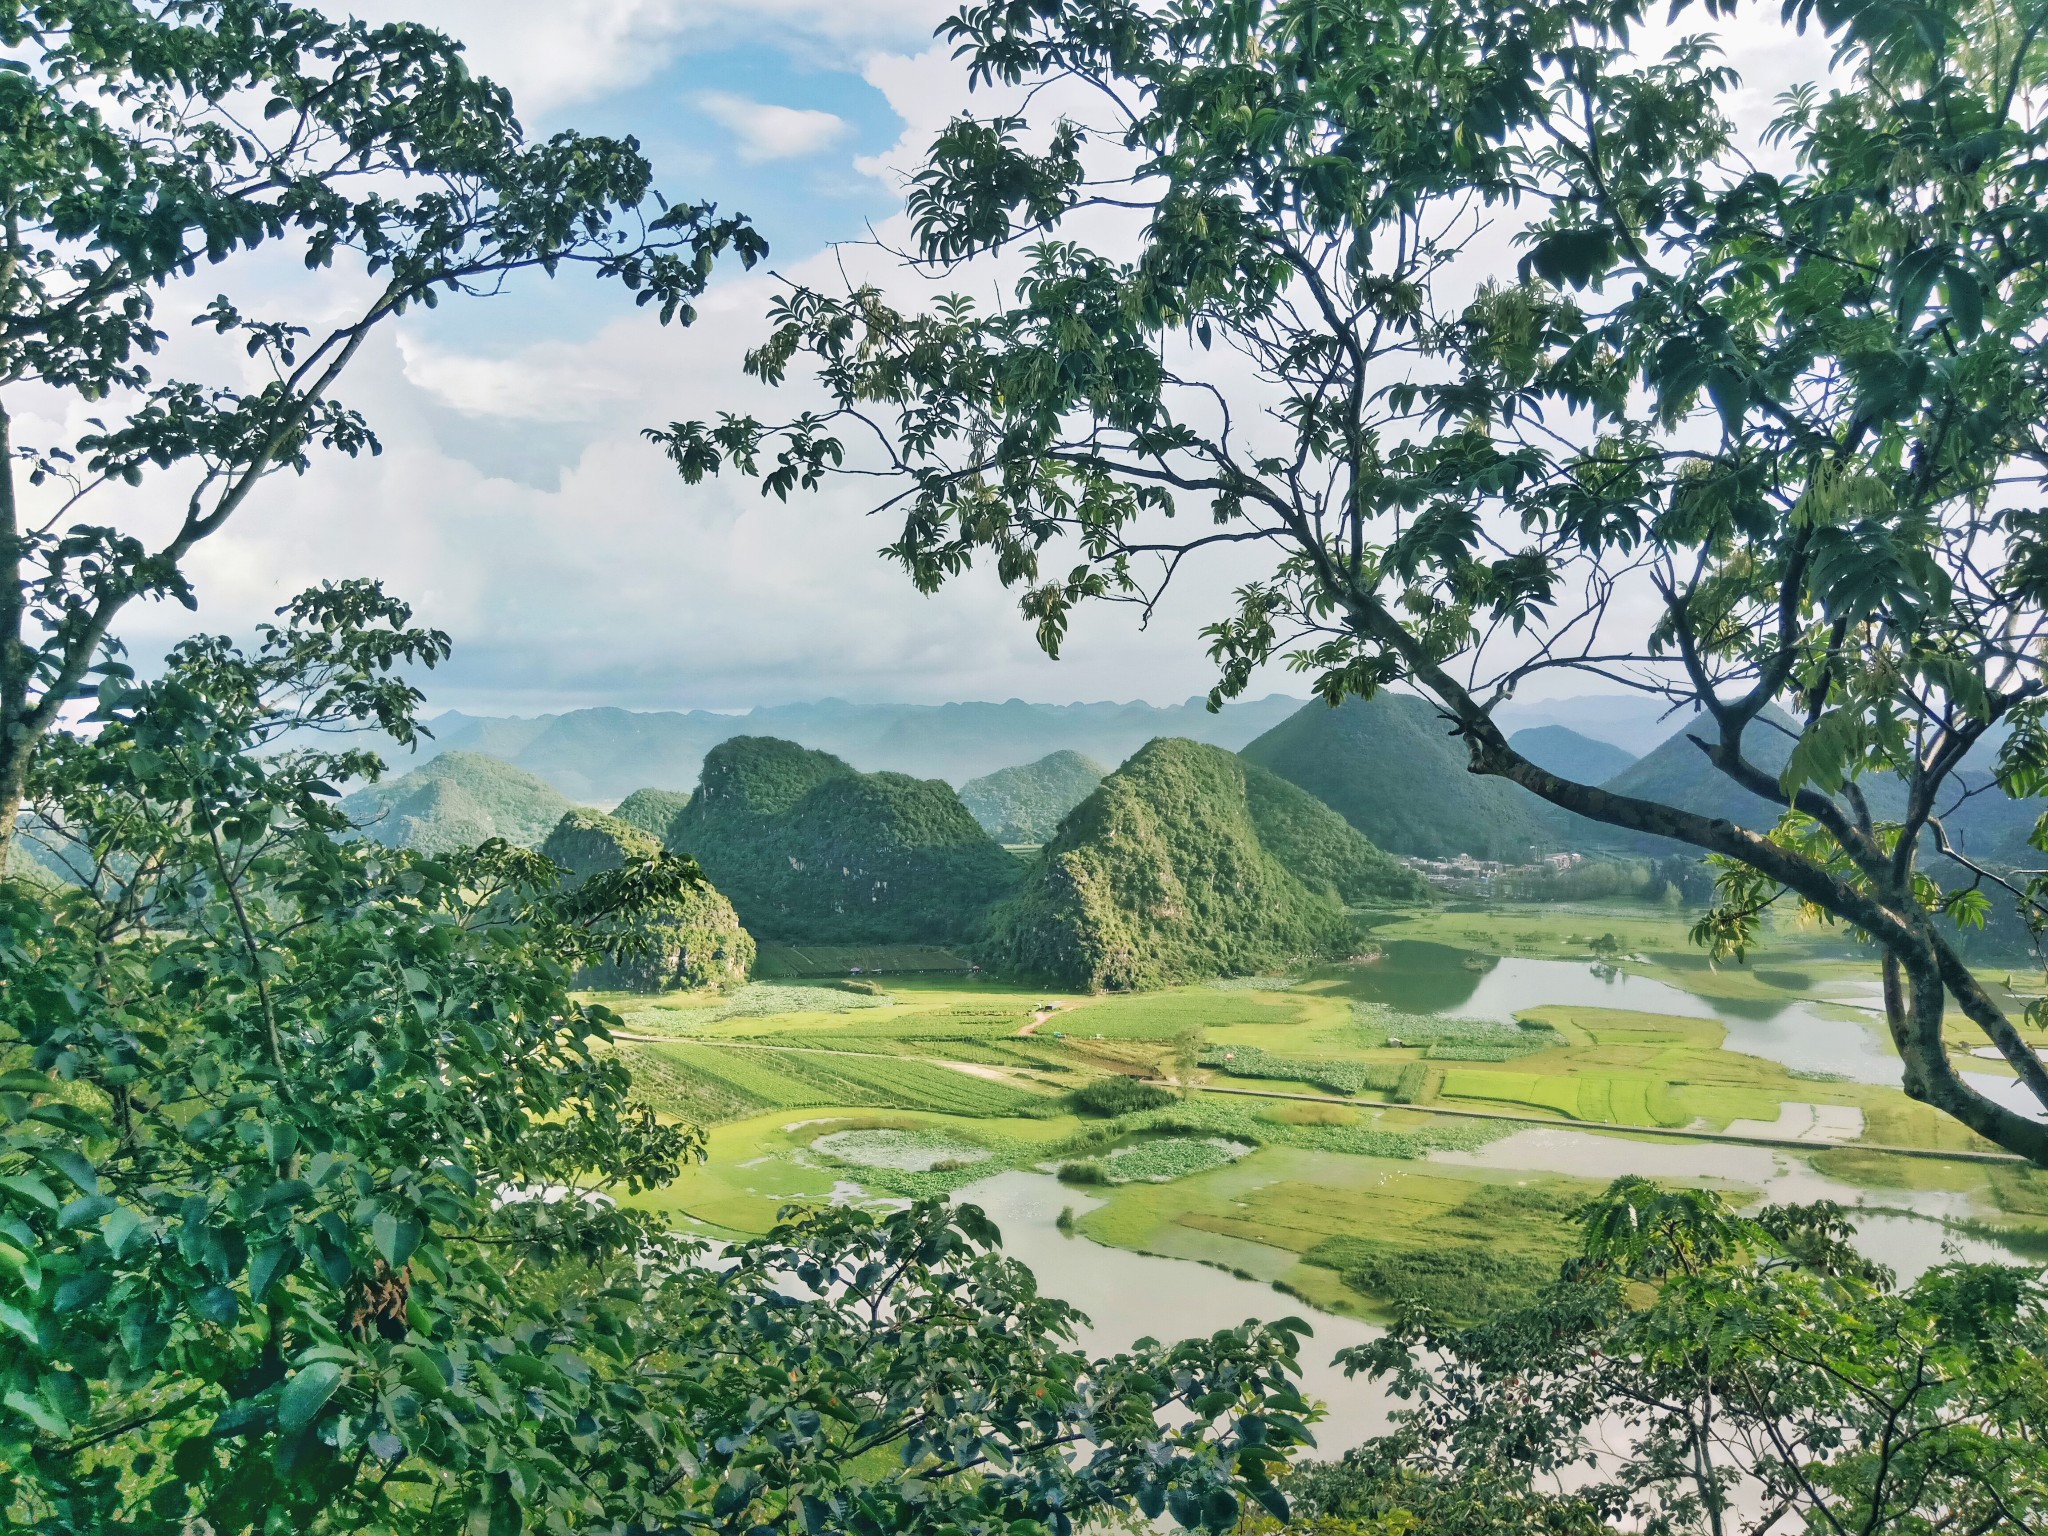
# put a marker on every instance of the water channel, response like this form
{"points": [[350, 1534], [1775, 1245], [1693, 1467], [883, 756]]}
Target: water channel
{"points": [[1129, 1296]]}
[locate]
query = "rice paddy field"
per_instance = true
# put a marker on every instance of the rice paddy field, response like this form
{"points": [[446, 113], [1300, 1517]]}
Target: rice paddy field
{"points": [[1348, 1134]]}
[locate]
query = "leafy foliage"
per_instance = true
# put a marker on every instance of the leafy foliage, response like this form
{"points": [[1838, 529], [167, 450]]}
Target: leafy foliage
{"points": [[1025, 804], [147, 142], [1119, 1096], [457, 801], [1162, 876], [694, 940], [304, 1153], [1759, 1358], [653, 811], [810, 850]]}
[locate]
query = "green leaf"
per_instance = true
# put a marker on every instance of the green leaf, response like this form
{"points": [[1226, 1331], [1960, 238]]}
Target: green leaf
{"points": [[395, 1236], [32, 1188], [73, 1166], [306, 1394], [36, 1412]]}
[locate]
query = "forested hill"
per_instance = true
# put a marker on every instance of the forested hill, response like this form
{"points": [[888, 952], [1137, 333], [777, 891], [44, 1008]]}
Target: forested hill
{"points": [[1177, 868], [811, 851], [599, 755], [1568, 754], [457, 801], [1391, 768], [1025, 804]]}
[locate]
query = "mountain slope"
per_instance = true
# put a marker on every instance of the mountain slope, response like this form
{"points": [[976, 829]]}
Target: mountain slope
{"points": [[696, 942], [457, 800], [1161, 876], [1564, 752], [811, 851], [1320, 848], [1389, 766], [653, 811], [1024, 804]]}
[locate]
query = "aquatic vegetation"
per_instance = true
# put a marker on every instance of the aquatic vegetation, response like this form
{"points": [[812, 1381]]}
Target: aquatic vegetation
{"points": [[904, 1150], [1346, 1077]]}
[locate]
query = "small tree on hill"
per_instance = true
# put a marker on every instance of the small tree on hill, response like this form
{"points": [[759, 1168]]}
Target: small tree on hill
{"points": [[1795, 413], [142, 145]]}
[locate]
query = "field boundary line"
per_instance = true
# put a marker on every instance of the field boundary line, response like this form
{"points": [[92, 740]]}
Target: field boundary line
{"points": [[1668, 1132]]}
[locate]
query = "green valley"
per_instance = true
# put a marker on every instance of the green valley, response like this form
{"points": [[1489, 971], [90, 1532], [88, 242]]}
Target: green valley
{"points": [[1345, 1149]]}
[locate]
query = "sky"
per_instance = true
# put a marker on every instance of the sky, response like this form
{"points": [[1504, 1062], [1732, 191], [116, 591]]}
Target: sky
{"points": [[516, 504]]}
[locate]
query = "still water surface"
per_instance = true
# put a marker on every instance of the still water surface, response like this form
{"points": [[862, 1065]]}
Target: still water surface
{"points": [[1419, 977], [1129, 1296]]}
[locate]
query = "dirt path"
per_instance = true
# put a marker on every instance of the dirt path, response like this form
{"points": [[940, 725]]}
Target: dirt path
{"points": [[1038, 1018]]}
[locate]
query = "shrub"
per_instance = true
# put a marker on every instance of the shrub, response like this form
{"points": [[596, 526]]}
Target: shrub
{"points": [[1083, 1173], [1119, 1096]]}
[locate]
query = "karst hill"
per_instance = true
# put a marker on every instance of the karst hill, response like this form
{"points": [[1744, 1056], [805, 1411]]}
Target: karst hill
{"points": [[1187, 863], [811, 850]]}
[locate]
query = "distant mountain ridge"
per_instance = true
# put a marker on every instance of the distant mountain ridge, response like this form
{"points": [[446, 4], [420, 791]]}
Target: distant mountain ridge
{"points": [[457, 800], [1390, 766], [600, 755], [1570, 755]]}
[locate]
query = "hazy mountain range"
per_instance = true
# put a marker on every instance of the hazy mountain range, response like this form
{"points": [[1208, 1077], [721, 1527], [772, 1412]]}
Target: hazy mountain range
{"points": [[598, 756]]}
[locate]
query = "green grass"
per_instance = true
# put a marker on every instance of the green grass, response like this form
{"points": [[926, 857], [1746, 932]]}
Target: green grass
{"points": [[1345, 1077], [809, 960], [741, 1080]]}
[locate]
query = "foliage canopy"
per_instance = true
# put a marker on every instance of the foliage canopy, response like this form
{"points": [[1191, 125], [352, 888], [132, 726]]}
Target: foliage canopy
{"points": [[143, 143], [1782, 384]]}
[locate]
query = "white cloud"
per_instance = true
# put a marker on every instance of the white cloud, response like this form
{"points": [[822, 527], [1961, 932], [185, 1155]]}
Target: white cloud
{"points": [[554, 54], [767, 132]]}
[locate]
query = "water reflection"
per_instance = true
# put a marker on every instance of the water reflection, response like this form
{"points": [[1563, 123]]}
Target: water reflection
{"points": [[1419, 977], [1129, 1296], [1902, 1228]]}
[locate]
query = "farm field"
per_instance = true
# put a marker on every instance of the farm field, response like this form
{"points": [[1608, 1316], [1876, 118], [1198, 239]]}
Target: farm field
{"points": [[1338, 1194]]}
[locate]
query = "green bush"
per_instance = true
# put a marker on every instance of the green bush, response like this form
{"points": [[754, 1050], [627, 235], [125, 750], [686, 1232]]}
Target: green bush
{"points": [[1119, 1096], [692, 941], [1083, 1173]]}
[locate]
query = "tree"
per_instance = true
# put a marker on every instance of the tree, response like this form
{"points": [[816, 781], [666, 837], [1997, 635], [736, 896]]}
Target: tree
{"points": [[143, 143], [1693, 1370], [310, 1181], [1785, 390]]}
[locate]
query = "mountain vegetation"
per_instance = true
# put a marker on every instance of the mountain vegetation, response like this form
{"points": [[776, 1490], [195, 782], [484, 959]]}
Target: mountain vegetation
{"points": [[811, 851], [1320, 848], [1024, 804], [600, 754], [691, 940], [457, 800], [1162, 875], [653, 811], [1565, 751], [1390, 767]]}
